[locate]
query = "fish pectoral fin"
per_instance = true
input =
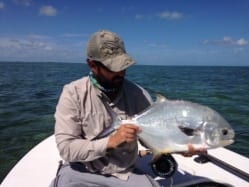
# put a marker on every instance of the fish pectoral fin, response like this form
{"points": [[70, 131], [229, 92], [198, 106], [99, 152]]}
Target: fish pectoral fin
{"points": [[160, 98], [187, 130]]}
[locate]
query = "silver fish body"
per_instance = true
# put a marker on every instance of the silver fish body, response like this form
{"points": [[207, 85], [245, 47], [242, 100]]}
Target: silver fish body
{"points": [[171, 126]]}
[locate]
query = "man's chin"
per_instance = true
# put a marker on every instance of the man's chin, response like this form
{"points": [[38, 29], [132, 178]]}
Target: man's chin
{"points": [[118, 83]]}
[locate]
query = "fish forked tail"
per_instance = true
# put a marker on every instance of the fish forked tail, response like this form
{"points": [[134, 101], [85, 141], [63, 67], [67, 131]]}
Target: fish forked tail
{"points": [[116, 122]]}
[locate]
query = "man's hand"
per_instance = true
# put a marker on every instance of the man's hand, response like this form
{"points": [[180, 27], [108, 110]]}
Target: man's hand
{"points": [[125, 133], [192, 151]]}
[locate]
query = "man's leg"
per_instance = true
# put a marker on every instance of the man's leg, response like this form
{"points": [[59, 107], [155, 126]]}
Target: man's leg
{"points": [[79, 177]]}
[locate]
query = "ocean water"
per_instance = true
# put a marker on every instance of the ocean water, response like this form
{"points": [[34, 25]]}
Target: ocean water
{"points": [[29, 93]]}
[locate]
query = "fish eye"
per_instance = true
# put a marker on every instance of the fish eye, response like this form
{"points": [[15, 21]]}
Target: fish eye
{"points": [[224, 132]]}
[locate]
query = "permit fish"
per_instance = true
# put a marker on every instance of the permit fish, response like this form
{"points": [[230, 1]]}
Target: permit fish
{"points": [[175, 126]]}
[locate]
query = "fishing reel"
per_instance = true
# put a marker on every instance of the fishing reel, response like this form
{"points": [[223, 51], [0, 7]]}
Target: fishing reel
{"points": [[165, 166]]}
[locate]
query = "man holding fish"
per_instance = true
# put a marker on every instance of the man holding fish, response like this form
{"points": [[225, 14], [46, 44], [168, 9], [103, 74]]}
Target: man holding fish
{"points": [[98, 147]]}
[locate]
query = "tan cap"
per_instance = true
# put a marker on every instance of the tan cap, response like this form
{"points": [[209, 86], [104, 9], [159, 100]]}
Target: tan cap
{"points": [[108, 48]]}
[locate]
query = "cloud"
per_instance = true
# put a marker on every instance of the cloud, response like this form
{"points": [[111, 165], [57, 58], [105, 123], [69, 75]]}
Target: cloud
{"points": [[73, 35], [242, 42], [166, 15], [1, 5], [170, 15], [23, 44], [38, 37], [36, 47], [25, 49], [23, 2], [227, 41], [48, 11], [155, 45]]}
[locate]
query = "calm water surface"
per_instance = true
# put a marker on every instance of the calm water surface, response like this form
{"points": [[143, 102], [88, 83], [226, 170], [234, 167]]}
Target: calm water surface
{"points": [[29, 93]]}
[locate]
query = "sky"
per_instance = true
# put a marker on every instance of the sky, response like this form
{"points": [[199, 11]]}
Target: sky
{"points": [[156, 32]]}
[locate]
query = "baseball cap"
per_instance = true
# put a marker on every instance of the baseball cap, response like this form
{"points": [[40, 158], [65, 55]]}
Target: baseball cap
{"points": [[108, 48]]}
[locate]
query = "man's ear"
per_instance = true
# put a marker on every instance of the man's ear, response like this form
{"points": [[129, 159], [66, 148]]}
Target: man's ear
{"points": [[90, 63], [93, 66]]}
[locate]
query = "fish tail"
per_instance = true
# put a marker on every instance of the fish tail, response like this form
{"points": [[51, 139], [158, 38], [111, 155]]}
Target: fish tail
{"points": [[116, 122]]}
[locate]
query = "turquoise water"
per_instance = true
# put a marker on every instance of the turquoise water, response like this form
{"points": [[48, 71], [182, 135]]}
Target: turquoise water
{"points": [[29, 93]]}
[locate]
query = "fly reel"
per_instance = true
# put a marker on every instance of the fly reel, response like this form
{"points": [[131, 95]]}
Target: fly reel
{"points": [[165, 166]]}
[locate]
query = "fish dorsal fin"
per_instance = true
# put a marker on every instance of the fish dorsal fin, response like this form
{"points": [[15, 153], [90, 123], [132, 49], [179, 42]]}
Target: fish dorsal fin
{"points": [[160, 98]]}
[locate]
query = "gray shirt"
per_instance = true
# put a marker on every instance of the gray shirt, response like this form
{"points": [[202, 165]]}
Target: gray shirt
{"points": [[83, 112]]}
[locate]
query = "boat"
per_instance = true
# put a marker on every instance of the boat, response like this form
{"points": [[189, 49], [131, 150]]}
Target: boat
{"points": [[220, 167]]}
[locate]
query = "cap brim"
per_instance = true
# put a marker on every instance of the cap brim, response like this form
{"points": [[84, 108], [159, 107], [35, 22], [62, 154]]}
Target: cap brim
{"points": [[119, 63]]}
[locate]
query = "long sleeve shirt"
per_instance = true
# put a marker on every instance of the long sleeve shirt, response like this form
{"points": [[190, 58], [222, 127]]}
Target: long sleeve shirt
{"points": [[83, 112]]}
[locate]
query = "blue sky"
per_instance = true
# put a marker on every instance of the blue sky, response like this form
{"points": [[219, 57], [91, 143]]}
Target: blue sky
{"points": [[163, 32]]}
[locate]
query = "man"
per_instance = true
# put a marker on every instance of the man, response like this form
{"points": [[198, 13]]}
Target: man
{"points": [[87, 108]]}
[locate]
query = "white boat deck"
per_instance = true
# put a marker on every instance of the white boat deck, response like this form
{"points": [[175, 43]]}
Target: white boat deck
{"points": [[38, 167]]}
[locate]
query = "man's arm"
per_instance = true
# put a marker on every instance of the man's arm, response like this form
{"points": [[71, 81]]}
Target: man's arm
{"points": [[68, 132]]}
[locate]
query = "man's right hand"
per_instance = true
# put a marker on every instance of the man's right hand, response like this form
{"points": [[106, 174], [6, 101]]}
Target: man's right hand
{"points": [[125, 133]]}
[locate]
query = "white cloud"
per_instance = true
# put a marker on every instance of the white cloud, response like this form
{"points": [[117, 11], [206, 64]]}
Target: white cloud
{"points": [[24, 44], [170, 15], [1, 5], [227, 41], [35, 47], [38, 36], [73, 35], [48, 11], [22, 48], [242, 42], [155, 45]]}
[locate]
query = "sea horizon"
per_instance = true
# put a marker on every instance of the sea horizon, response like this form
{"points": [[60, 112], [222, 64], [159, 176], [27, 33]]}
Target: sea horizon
{"points": [[137, 64]]}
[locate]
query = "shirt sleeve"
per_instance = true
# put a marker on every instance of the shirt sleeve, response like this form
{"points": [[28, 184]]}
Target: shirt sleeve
{"points": [[68, 132]]}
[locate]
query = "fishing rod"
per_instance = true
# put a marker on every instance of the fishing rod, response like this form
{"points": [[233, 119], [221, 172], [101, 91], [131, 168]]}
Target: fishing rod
{"points": [[204, 158]]}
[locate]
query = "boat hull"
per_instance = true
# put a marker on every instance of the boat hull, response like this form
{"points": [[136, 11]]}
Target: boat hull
{"points": [[39, 166]]}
